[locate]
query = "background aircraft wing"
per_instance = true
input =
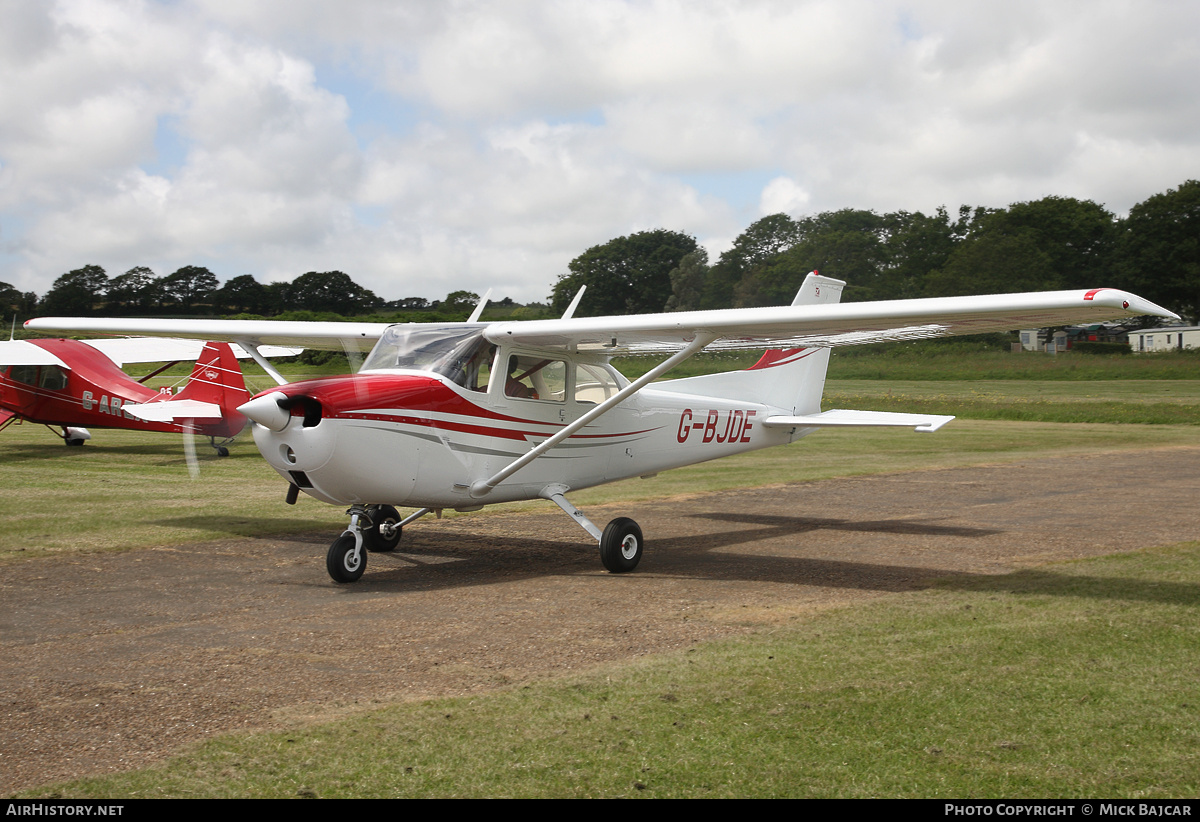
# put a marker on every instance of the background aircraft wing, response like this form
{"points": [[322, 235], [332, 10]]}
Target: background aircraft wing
{"points": [[331, 336], [23, 352], [122, 350], [827, 325]]}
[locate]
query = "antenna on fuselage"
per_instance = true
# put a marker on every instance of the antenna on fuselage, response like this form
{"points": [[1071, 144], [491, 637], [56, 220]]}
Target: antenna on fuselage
{"points": [[570, 312], [479, 308]]}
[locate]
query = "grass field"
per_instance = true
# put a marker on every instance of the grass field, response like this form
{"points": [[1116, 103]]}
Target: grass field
{"points": [[1070, 680]]}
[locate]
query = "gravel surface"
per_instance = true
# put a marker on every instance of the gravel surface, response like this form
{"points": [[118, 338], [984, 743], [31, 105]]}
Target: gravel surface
{"points": [[114, 661]]}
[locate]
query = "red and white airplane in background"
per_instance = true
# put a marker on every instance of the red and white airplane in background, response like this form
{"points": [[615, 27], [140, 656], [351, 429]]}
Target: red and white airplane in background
{"points": [[75, 385], [469, 414]]}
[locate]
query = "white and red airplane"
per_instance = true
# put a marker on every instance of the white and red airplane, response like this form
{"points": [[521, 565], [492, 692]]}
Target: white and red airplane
{"points": [[469, 414]]}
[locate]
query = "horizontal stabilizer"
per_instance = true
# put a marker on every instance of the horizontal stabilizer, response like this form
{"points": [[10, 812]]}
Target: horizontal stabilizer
{"points": [[860, 419], [173, 410]]}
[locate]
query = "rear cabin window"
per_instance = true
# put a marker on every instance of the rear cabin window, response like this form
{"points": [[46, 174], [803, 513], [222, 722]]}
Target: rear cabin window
{"points": [[53, 378], [594, 384]]}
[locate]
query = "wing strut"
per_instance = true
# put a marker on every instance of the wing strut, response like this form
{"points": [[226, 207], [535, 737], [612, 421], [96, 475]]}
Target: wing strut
{"points": [[252, 350], [570, 312], [478, 312], [484, 487]]}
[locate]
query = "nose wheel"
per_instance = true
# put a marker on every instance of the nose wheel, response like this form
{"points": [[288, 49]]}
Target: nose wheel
{"points": [[346, 559]]}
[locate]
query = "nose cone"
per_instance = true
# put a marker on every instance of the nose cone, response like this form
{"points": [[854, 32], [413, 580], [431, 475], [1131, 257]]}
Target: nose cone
{"points": [[267, 411]]}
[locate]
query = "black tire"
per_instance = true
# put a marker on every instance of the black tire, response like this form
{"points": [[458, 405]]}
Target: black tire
{"points": [[340, 560], [373, 537], [74, 442], [222, 451], [621, 545]]}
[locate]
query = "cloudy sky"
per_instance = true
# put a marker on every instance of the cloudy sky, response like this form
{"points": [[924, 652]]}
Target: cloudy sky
{"points": [[424, 147]]}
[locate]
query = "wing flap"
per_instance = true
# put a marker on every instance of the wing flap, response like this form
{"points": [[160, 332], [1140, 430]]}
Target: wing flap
{"points": [[839, 418]]}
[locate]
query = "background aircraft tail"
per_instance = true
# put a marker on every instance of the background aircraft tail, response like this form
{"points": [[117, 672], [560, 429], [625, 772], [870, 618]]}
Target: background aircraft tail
{"points": [[217, 378], [791, 379]]}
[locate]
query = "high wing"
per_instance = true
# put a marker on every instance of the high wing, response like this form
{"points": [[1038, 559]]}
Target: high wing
{"points": [[23, 352], [827, 325], [125, 350], [330, 336], [821, 325]]}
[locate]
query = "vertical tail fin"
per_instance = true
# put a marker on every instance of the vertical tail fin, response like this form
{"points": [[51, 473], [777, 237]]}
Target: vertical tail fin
{"points": [[217, 378], [792, 379]]}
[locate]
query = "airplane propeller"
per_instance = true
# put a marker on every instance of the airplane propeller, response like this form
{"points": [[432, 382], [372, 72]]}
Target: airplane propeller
{"points": [[189, 448]]}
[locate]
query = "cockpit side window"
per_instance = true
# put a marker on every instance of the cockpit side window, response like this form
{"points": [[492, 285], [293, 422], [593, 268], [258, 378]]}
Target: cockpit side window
{"points": [[535, 378], [27, 374]]}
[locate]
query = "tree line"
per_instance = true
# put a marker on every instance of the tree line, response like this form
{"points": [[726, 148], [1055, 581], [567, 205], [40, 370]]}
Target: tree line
{"points": [[1047, 244], [196, 290]]}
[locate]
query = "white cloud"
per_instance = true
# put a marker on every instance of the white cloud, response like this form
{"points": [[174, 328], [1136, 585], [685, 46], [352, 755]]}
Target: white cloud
{"points": [[425, 147], [783, 196]]}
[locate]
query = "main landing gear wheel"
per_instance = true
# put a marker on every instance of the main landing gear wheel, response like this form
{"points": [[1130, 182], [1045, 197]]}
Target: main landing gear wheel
{"points": [[621, 545], [71, 442], [384, 533], [342, 562]]}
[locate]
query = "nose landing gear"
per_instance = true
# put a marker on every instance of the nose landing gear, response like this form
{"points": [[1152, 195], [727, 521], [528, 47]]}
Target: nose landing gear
{"points": [[374, 528]]}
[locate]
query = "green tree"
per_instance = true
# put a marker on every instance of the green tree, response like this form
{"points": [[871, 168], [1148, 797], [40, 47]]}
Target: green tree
{"points": [[137, 290], [460, 302], [1159, 250], [626, 275], [916, 244], [241, 295], [762, 241], [76, 292], [1079, 237], [847, 245], [190, 285], [277, 297], [994, 263], [1043, 245], [330, 291], [687, 281], [15, 302]]}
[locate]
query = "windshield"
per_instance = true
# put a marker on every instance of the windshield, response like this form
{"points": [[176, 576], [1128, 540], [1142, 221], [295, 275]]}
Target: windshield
{"points": [[449, 351]]}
